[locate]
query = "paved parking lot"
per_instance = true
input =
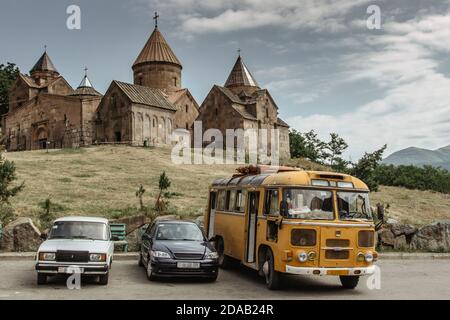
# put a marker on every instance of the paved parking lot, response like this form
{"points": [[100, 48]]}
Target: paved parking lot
{"points": [[401, 279]]}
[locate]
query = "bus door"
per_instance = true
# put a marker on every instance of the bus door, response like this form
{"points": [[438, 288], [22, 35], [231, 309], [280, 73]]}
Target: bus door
{"points": [[211, 213], [252, 214]]}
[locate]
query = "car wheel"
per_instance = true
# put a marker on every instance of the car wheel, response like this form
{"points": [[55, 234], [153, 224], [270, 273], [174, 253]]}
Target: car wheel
{"points": [[140, 262], [41, 278], [272, 277], [149, 270], [103, 279], [349, 282], [225, 262], [213, 278]]}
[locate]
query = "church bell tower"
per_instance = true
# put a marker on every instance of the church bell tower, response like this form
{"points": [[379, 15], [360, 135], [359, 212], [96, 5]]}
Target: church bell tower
{"points": [[157, 66]]}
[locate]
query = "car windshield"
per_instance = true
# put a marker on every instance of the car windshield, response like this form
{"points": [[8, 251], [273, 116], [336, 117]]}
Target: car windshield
{"points": [[179, 231], [354, 206], [79, 230], [309, 204]]}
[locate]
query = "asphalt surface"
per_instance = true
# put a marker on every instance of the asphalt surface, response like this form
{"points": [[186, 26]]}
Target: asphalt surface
{"points": [[400, 279]]}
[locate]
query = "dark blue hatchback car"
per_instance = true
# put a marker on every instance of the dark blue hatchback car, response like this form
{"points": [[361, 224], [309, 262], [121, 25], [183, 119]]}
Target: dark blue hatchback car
{"points": [[173, 248]]}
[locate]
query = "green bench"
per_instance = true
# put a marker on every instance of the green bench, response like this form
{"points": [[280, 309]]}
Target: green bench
{"points": [[119, 235]]}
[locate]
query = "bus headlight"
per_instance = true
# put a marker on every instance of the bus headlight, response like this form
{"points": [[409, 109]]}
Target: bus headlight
{"points": [[368, 257], [312, 256], [360, 257], [302, 257]]}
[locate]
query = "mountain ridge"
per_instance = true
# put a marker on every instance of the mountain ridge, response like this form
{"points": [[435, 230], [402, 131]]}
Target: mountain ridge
{"points": [[420, 157]]}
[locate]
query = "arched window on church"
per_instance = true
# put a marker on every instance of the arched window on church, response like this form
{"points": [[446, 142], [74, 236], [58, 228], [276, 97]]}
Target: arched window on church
{"points": [[186, 108], [217, 112], [175, 81]]}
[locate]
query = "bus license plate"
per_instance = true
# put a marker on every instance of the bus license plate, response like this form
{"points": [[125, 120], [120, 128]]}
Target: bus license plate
{"points": [[188, 265], [337, 272]]}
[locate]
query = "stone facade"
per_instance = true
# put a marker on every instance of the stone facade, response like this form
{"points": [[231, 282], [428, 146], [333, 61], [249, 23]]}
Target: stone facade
{"points": [[44, 113], [241, 103]]}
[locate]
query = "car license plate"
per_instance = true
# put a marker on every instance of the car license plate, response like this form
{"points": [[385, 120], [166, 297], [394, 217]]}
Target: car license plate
{"points": [[70, 270], [188, 265]]}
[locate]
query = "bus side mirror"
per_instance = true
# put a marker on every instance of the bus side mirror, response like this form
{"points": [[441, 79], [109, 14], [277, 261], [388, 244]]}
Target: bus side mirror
{"points": [[380, 212], [284, 208]]}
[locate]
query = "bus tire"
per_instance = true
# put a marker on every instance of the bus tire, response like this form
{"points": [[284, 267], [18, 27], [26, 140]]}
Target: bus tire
{"points": [[225, 261], [349, 282], [272, 277]]}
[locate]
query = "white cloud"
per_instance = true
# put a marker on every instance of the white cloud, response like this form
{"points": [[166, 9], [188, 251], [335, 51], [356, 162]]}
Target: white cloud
{"points": [[405, 63], [199, 16]]}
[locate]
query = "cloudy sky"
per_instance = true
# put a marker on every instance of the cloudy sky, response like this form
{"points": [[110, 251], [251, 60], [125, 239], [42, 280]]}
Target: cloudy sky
{"points": [[324, 67]]}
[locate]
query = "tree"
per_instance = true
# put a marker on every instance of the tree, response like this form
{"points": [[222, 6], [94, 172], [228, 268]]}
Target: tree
{"points": [[8, 75], [334, 149], [46, 215], [7, 177], [7, 190], [306, 145], [139, 194], [365, 168], [164, 184]]}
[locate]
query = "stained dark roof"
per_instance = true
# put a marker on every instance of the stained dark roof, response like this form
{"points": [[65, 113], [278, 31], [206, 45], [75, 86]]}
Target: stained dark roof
{"points": [[44, 64], [282, 123], [240, 75], [146, 96], [157, 50]]}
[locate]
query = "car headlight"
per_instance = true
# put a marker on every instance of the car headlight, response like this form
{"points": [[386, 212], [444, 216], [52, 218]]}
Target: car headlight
{"points": [[159, 254], [302, 256], [368, 257], [47, 256], [212, 255], [97, 257]]}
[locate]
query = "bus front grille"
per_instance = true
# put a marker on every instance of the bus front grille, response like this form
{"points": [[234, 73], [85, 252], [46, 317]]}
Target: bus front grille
{"points": [[338, 243], [337, 255]]}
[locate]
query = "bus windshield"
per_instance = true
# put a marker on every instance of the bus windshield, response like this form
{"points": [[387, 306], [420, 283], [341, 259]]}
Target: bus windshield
{"points": [[309, 204], [354, 206]]}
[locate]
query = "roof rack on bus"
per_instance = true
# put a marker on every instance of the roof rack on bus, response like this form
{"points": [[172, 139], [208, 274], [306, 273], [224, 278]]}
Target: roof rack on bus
{"points": [[262, 169]]}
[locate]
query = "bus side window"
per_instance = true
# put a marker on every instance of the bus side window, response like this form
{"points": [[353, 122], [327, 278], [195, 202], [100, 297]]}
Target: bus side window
{"points": [[221, 200], [227, 200], [272, 203], [232, 200], [239, 207]]}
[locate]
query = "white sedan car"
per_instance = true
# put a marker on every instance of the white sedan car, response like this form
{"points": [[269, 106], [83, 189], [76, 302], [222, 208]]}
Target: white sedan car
{"points": [[76, 245]]}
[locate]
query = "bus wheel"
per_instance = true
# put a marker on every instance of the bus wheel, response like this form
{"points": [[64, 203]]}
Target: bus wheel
{"points": [[273, 278], [349, 282], [224, 261]]}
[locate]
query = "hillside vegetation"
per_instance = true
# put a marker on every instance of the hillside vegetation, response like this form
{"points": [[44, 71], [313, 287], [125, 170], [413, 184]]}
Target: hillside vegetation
{"points": [[102, 181]]}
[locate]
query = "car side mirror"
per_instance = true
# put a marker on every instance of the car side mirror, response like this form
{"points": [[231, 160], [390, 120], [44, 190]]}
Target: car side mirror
{"points": [[44, 236], [284, 208]]}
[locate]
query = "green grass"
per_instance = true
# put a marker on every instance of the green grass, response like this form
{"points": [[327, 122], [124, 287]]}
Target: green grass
{"points": [[102, 181]]}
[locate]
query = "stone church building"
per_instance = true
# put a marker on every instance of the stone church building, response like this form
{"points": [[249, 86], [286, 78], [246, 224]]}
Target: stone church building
{"points": [[46, 112], [242, 104], [147, 112]]}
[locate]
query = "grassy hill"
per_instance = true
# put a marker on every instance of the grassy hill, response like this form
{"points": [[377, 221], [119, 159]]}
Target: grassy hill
{"points": [[102, 181]]}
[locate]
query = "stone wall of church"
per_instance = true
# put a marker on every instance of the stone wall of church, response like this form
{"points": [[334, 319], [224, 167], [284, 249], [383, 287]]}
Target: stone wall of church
{"points": [[153, 125], [187, 113], [216, 112], [113, 120], [163, 76], [47, 121]]}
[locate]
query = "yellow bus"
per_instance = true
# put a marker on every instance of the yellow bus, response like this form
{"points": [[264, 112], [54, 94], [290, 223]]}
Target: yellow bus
{"points": [[290, 221]]}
